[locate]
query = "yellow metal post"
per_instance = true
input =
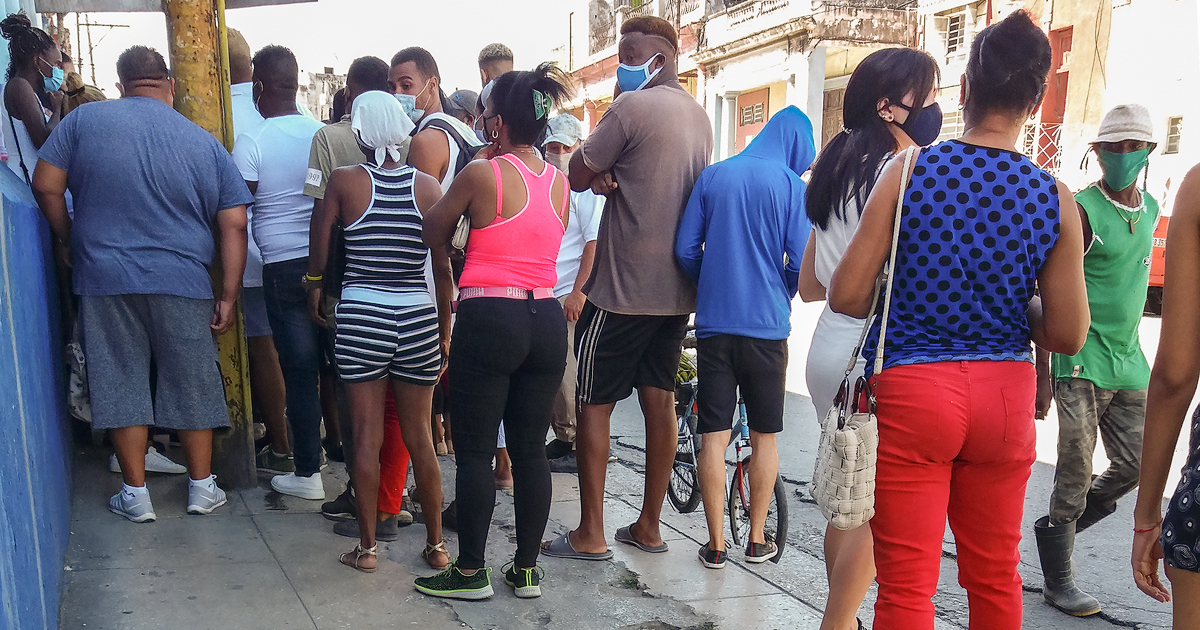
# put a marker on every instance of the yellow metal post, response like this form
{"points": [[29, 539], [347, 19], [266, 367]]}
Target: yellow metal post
{"points": [[199, 62]]}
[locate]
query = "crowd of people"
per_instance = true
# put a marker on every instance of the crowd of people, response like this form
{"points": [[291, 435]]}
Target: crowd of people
{"points": [[432, 274]]}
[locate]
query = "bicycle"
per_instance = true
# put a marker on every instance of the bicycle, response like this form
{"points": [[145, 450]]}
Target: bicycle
{"points": [[684, 490]]}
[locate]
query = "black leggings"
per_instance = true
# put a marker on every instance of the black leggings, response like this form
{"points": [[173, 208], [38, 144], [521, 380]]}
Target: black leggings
{"points": [[507, 359]]}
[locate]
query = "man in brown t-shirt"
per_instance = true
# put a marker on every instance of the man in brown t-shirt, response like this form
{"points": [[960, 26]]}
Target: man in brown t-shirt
{"points": [[645, 155]]}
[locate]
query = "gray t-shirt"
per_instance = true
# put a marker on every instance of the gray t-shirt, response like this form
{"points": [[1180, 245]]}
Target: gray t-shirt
{"points": [[655, 142], [148, 184]]}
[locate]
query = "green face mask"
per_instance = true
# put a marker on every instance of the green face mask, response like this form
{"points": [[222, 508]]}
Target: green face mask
{"points": [[1121, 169]]}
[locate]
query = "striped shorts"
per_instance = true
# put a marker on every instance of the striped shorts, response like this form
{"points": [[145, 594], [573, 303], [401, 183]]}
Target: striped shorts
{"points": [[373, 341]]}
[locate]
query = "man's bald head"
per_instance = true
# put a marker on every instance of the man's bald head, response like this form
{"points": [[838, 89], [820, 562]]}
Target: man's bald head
{"points": [[240, 68]]}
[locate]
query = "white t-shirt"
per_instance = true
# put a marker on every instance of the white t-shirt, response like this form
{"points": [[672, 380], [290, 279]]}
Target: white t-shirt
{"points": [[275, 154], [583, 227], [245, 118]]}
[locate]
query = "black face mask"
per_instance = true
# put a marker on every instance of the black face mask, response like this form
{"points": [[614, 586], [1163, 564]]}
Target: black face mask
{"points": [[923, 125]]}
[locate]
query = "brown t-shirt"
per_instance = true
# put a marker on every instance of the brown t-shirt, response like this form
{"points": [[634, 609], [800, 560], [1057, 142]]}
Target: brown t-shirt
{"points": [[655, 142]]}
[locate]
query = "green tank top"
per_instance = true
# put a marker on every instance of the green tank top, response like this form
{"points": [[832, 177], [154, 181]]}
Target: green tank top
{"points": [[1116, 269]]}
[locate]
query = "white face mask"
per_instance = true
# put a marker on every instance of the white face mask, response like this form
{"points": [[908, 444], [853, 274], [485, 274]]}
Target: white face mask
{"points": [[409, 103], [559, 160]]}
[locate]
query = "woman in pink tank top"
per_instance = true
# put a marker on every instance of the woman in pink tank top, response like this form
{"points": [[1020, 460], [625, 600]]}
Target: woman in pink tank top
{"points": [[508, 349]]}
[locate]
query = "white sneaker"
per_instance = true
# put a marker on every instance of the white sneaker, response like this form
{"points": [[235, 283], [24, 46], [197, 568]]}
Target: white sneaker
{"points": [[203, 501], [135, 507], [155, 462], [310, 487]]}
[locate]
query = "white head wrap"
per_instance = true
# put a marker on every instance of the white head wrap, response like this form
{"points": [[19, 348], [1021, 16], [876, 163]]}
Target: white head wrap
{"points": [[380, 124]]}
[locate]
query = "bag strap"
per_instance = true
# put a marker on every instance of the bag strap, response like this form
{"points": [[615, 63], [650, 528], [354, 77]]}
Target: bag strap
{"points": [[885, 279], [20, 156], [891, 265]]}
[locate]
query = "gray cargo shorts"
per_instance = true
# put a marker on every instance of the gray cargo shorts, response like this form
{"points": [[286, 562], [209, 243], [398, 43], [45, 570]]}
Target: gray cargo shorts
{"points": [[123, 334]]}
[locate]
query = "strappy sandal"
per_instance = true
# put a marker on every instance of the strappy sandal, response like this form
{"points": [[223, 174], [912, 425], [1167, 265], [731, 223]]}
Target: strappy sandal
{"points": [[432, 549], [352, 558]]}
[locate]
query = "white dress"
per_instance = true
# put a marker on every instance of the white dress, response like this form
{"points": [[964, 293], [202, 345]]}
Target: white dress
{"points": [[836, 334]]}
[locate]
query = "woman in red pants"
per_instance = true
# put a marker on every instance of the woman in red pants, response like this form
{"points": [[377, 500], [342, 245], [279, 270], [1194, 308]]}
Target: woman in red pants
{"points": [[981, 225]]}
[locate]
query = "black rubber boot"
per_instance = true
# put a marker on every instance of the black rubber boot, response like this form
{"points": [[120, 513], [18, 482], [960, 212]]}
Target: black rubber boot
{"points": [[1093, 513], [1055, 545]]}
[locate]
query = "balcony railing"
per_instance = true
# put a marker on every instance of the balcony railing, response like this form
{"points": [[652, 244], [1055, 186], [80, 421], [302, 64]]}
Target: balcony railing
{"points": [[1043, 145], [635, 8]]}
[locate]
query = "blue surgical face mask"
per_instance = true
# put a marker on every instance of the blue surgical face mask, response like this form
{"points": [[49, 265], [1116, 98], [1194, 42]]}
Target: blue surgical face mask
{"points": [[633, 78], [55, 80], [408, 103]]}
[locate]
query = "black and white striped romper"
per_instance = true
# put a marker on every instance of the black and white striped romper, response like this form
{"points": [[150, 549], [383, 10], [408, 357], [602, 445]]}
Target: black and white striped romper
{"points": [[386, 321]]}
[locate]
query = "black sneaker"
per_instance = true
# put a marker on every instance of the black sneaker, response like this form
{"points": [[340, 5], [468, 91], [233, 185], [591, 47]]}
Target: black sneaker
{"points": [[566, 464], [385, 531], [526, 583], [455, 584], [712, 558], [761, 552], [342, 508], [558, 448], [334, 451]]}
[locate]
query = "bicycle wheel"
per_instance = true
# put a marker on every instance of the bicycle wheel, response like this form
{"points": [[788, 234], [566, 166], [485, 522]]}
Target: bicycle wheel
{"points": [[684, 490], [739, 510]]}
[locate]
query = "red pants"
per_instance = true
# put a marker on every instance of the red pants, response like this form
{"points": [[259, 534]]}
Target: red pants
{"points": [[956, 440], [393, 460]]}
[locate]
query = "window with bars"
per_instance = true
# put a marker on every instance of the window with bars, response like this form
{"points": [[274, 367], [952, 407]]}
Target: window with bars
{"points": [[1174, 133], [956, 32], [752, 114]]}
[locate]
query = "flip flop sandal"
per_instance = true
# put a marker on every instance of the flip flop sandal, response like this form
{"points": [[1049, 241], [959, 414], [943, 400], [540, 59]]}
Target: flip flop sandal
{"points": [[352, 558], [625, 535], [561, 548], [432, 549]]}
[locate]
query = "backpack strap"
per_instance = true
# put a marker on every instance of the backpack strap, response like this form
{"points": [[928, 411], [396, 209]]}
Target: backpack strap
{"points": [[466, 150]]}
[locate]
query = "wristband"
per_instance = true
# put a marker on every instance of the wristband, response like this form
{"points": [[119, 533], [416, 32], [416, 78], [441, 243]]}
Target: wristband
{"points": [[1148, 529], [312, 278]]}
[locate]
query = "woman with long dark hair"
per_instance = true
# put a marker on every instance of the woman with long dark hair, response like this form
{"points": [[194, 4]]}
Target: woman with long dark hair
{"points": [[31, 96], [508, 350], [888, 107], [980, 226]]}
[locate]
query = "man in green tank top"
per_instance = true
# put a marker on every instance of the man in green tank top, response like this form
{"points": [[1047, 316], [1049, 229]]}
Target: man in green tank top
{"points": [[1102, 389]]}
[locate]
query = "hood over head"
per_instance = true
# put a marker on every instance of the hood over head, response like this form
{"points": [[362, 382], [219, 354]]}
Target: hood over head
{"points": [[788, 138]]}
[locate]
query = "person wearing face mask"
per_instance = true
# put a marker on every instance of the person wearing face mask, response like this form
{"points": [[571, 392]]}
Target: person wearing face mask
{"points": [[644, 155], [574, 268], [978, 227], [1102, 388], [878, 122], [273, 159], [32, 100]]}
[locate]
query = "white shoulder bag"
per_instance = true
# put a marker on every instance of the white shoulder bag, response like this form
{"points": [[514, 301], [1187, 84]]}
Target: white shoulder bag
{"points": [[843, 482]]}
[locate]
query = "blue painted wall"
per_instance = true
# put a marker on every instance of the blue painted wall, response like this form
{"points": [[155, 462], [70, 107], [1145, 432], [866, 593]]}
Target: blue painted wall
{"points": [[35, 470]]}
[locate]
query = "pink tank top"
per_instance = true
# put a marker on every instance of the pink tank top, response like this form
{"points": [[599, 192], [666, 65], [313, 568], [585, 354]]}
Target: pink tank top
{"points": [[522, 250]]}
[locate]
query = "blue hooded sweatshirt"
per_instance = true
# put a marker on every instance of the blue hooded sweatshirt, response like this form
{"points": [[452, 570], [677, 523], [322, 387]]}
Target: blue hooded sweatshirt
{"points": [[745, 215]]}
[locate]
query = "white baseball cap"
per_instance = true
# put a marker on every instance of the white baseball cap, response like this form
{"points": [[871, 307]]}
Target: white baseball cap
{"points": [[564, 128], [1126, 122]]}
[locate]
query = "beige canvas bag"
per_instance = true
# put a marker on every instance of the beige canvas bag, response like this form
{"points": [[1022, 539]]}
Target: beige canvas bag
{"points": [[843, 483]]}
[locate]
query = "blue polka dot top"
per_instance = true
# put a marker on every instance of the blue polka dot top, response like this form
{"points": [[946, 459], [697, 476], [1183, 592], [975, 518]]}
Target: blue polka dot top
{"points": [[976, 228]]}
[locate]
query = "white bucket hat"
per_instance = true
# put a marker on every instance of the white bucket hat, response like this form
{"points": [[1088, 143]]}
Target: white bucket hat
{"points": [[1126, 122]]}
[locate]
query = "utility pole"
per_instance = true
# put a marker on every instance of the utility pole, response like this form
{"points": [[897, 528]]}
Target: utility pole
{"points": [[200, 63], [91, 49]]}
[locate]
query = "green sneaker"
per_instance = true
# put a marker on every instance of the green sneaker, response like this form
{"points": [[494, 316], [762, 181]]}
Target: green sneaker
{"points": [[526, 582], [454, 584], [269, 461]]}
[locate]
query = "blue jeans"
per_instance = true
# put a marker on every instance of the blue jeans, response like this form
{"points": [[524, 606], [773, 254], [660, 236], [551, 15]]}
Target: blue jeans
{"points": [[297, 339]]}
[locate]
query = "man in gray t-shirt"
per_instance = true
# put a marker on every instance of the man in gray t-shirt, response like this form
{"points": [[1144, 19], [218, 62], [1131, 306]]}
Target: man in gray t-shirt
{"points": [[645, 155], [150, 189]]}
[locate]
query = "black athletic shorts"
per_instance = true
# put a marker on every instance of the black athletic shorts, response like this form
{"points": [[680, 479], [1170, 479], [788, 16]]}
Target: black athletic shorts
{"points": [[758, 366], [620, 352]]}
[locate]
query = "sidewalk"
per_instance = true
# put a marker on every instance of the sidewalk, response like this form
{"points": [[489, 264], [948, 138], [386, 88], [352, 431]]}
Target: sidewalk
{"points": [[270, 562]]}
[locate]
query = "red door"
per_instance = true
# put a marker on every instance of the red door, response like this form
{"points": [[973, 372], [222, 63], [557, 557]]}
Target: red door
{"points": [[751, 116]]}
